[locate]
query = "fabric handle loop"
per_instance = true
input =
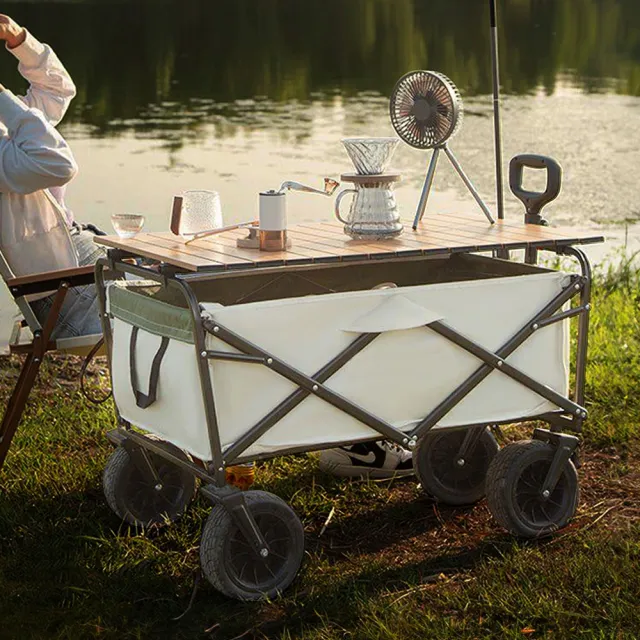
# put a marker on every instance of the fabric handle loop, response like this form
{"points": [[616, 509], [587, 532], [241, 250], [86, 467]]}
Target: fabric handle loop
{"points": [[145, 400]]}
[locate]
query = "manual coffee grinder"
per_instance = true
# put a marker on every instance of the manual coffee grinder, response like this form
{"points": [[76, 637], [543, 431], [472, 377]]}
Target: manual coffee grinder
{"points": [[271, 233]]}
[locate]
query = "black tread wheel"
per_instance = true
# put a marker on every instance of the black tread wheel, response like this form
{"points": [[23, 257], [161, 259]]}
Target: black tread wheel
{"points": [[446, 478], [514, 484], [230, 563], [141, 503]]}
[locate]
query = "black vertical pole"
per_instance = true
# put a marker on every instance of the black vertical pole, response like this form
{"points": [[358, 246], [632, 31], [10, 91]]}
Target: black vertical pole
{"points": [[496, 106]]}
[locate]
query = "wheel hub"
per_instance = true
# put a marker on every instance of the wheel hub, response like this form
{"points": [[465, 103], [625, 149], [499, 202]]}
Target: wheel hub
{"points": [[149, 502], [253, 569], [539, 507]]}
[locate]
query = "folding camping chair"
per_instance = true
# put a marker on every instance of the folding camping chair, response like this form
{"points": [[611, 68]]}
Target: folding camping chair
{"points": [[32, 338]]}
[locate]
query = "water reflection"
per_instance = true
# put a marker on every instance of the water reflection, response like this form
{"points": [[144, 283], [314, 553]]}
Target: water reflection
{"points": [[239, 95], [161, 68]]}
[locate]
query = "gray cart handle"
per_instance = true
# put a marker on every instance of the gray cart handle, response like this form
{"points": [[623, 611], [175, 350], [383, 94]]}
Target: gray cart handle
{"points": [[532, 200], [145, 400]]}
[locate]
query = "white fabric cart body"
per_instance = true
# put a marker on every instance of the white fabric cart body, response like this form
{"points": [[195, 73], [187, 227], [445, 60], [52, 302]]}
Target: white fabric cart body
{"points": [[399, 377]]}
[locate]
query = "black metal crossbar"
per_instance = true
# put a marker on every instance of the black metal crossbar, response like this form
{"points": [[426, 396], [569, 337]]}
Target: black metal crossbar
{"points": [[292, 401], [308, 384], [575, 285], [313, 385], [499, 364]]}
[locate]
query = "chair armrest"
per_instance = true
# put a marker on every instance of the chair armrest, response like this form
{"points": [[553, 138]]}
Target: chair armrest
{"points": [[50, 280]]}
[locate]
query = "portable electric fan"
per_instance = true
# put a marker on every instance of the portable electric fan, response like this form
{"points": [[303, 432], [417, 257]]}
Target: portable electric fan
{"points": [[426, 112]]}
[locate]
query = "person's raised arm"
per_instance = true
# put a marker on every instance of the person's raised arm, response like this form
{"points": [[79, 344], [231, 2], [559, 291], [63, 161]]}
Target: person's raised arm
{"points": [[51, 88], [33, 156]]}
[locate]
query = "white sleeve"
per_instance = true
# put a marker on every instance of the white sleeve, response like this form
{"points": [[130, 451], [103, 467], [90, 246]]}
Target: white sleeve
{"points": [[51, 87], [33, 156]]}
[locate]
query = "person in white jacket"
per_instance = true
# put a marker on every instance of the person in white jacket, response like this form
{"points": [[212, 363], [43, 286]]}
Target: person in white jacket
{"points": [[37, 231]]}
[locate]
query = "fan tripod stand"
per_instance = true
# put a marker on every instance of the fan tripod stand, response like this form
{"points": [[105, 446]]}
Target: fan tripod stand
{"points": [[429, 181]]}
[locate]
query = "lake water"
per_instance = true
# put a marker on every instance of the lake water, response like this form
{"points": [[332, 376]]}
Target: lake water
{"points": [[239, 96]]}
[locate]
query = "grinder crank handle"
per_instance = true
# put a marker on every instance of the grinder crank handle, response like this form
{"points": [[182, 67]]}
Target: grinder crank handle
{"points": [[532, 200]]}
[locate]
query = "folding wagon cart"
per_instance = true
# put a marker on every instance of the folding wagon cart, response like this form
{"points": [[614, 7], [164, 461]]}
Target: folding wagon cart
{"points": [[224, 355]]}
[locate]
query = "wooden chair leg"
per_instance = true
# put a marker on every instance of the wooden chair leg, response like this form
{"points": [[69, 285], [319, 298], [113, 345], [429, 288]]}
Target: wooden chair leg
{"points": [[30, 368], [17, 403], [12, 399]]}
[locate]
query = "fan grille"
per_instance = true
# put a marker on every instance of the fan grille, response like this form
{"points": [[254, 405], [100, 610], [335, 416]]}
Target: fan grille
{"points": [[425, 108]]}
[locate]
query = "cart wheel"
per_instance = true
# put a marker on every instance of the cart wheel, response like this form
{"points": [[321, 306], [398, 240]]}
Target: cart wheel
{"points": [[446, 477], [514, 484], [142, 503], [229, 561]]}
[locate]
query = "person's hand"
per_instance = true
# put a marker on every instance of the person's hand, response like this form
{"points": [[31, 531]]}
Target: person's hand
{"points": [[11, 32]]}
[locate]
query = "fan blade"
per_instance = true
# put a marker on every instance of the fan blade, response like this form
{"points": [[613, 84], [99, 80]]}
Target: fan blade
{"points": [[442, 129]]}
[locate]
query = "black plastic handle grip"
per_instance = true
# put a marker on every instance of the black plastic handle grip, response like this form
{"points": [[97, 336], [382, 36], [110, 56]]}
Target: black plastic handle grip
{"points": [[532, 200]]}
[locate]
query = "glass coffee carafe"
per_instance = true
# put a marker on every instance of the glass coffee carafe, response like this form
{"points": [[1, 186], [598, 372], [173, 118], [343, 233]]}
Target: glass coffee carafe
{"points": [[373, 214]]}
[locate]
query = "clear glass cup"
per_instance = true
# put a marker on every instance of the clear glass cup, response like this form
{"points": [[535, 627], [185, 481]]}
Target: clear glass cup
{"points": [[201, 211], [127, 225]]}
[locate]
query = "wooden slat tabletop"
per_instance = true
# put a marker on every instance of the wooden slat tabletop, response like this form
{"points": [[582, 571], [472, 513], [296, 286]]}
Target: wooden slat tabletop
{"points": [[323, 242]]}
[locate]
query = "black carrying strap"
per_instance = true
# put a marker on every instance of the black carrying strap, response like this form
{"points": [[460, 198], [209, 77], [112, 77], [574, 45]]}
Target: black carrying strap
{"points": [[145, 400]]}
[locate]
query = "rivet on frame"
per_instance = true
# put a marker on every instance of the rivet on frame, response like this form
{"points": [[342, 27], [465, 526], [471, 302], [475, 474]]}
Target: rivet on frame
{"points": [[269, 360], [500, 363], [203, 354], [535, 327], [216, 329], [315, 387]]}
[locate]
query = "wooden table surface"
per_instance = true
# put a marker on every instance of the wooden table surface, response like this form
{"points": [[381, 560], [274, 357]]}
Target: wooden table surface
{"points": [[325, 242]]}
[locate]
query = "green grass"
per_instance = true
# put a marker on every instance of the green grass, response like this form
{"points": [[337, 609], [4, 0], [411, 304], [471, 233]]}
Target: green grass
{"points": [[391, 564]]}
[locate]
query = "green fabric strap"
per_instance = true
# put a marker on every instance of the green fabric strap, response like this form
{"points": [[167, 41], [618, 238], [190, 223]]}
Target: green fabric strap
{"points": [[151, 314]]}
